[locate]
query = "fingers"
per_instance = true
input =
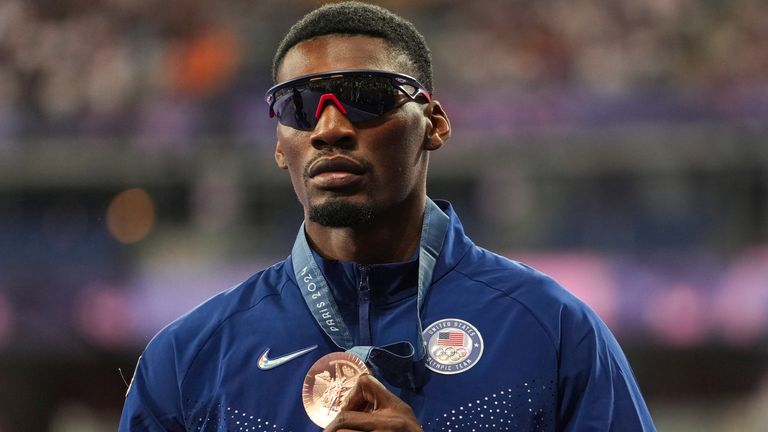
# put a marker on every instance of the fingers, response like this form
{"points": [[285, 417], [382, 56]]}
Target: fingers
{"points": [[351, 421], [365, 421], [370, 394], [371, 407]]}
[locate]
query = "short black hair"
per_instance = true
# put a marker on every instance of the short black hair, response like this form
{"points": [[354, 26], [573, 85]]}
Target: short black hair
{"points": [[355, 18]]}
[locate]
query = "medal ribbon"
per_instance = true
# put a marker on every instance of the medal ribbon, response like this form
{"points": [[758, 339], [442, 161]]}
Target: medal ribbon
{"points": [[399, 363]]}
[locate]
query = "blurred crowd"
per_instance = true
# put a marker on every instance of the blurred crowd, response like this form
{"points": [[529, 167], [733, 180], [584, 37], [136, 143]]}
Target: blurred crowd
{"points": [[161, 73], [112, 67]]}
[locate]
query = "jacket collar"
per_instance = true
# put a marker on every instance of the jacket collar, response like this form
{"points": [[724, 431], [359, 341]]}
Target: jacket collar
{"points": [[392, 282], [388, 282]]}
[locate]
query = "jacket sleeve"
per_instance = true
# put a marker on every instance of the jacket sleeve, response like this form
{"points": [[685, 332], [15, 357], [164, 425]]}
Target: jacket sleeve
{"points": [[153, 402], [597, 387]]}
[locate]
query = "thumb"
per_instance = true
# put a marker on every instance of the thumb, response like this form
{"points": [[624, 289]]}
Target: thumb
{"points": [[369, 394]]}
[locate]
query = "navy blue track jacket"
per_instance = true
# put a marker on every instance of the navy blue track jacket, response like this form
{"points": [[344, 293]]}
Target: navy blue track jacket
{"points": [[541, 360]]}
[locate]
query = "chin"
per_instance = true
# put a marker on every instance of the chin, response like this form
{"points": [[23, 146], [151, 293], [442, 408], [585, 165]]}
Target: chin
{"points": [[340, 213]]}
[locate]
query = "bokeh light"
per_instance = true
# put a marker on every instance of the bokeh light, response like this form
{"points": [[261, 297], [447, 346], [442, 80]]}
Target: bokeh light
{"points": [[103, 314], [131, 215], [677, 315]]}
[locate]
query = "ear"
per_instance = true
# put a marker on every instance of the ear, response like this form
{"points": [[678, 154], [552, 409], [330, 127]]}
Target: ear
{"points": [[280, 156], [438, 127]]}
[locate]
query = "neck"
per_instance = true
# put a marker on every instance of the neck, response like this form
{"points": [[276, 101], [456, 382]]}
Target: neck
{"points": [[392, 237]]}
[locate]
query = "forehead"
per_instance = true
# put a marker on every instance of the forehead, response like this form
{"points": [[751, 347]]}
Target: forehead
{"points": [[337, 52]]}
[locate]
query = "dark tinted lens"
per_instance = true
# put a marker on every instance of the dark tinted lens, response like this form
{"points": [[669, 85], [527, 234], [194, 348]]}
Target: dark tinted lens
{"points": [[364, 98], [296, 108], [371, 94]]}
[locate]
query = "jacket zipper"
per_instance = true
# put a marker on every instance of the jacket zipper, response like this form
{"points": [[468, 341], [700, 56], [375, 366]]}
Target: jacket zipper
{"points": [[364, 305]]}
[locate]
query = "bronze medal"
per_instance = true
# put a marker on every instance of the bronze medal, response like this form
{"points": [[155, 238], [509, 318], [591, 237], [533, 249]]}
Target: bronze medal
{"points": [[329, 383]]}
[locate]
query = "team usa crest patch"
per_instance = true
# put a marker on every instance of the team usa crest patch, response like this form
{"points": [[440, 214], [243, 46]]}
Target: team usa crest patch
{"points": [[453, 346]]}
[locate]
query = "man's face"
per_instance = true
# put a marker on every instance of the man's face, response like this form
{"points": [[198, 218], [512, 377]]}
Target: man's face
{"points": [[345, 174]]}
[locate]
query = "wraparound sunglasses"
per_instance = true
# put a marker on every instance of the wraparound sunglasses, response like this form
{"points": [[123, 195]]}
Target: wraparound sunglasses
{"points": [[359, 94]]}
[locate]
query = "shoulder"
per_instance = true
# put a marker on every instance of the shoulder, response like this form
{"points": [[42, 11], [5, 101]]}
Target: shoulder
{"points": [[555, 308], [515, 279], [597, 388], [180, 340], [154, 398]]}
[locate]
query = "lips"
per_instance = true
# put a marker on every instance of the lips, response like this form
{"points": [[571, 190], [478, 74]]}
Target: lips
{"points": [[338, 164], [337, 173]]}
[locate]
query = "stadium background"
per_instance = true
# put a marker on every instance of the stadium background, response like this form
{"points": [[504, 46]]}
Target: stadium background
{"points": [[618, 145]]}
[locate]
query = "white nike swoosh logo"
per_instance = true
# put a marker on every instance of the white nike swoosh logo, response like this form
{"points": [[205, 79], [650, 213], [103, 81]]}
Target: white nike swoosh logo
{"points": [[266, 363]]}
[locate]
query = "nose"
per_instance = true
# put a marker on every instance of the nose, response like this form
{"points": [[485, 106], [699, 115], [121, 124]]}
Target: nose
{"points": [[333, 127]]}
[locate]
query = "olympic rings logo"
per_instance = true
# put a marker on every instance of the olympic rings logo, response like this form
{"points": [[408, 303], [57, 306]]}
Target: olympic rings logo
{"points": [[450, 354]]}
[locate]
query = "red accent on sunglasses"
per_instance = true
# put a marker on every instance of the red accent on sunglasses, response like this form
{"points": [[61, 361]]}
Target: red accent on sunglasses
{"points": [[332, 98]]}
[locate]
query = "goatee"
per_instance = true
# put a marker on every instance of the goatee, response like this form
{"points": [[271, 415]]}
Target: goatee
{"points": [[341, 214]]}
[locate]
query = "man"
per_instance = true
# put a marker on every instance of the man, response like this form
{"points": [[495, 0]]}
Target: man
{"points": [[453, 337]]}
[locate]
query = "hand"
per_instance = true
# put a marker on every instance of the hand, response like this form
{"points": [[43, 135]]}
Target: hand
{"points": [[371, 407]]}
